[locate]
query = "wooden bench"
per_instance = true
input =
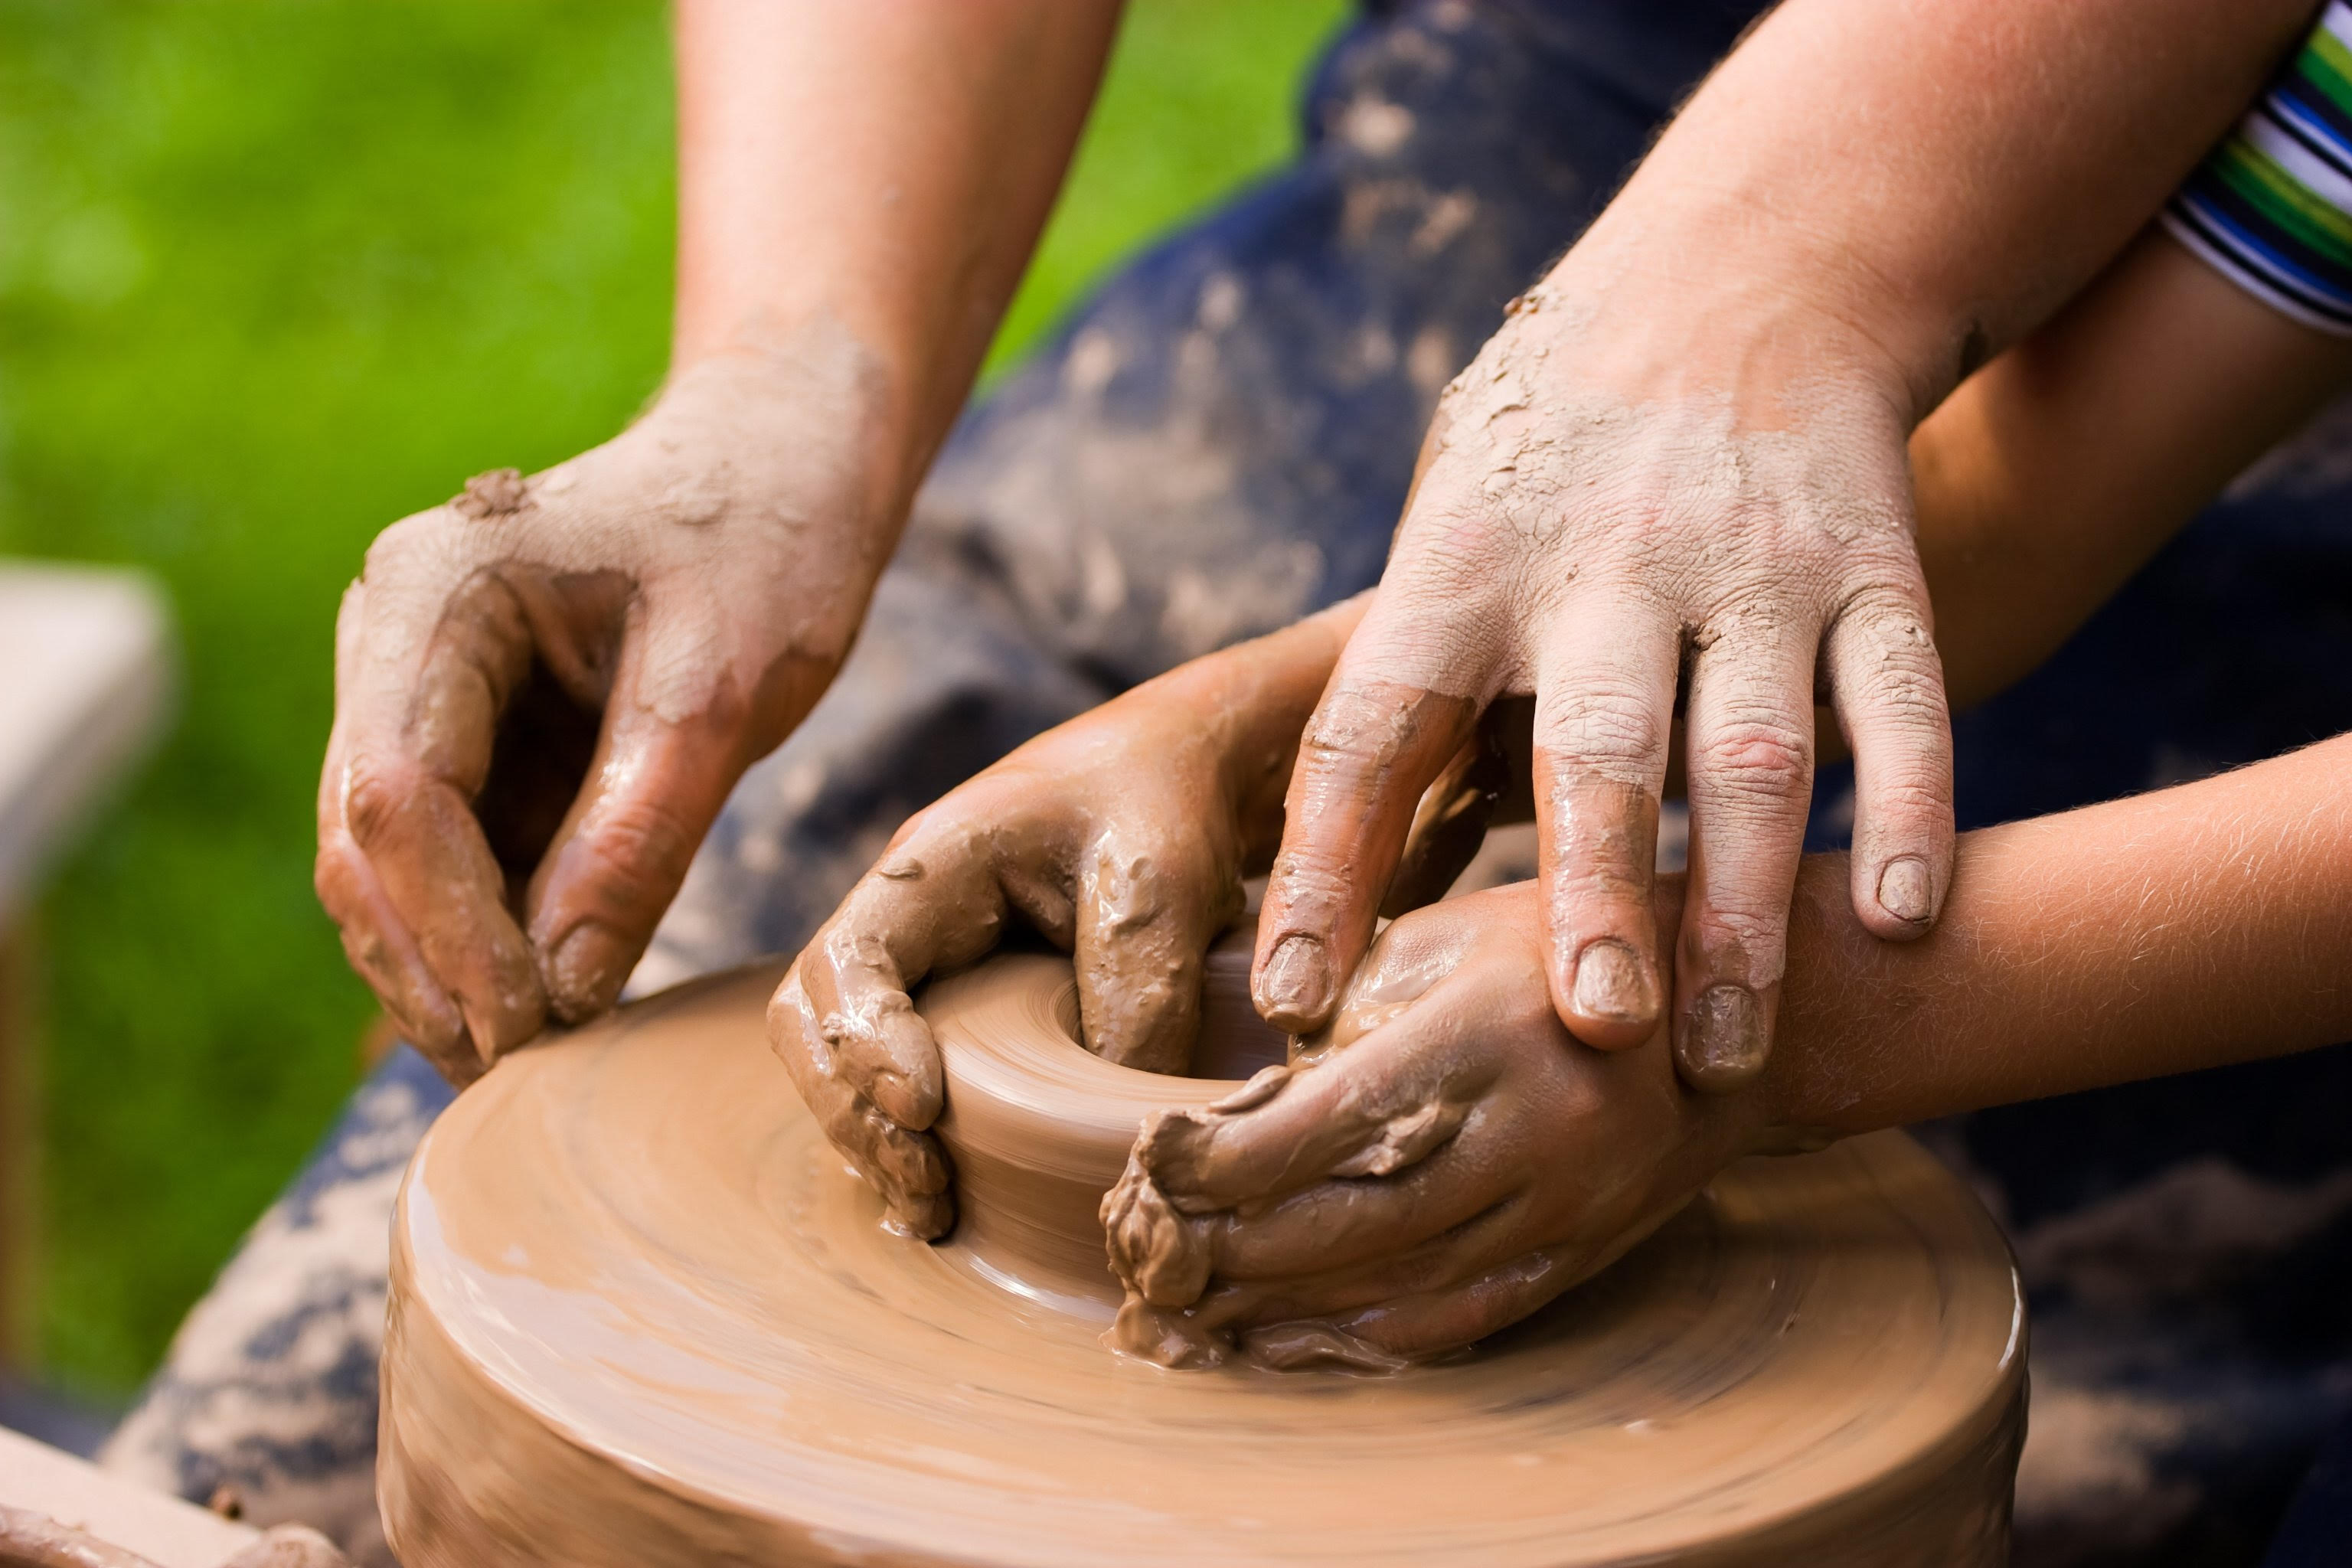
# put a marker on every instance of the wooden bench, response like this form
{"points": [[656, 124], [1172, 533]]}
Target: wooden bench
{"points": [[160, 1529], [85, 682]]}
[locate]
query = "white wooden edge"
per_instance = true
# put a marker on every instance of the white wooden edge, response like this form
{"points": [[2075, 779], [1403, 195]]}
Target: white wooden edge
{"points": [[78, 1493], [85, 683]]}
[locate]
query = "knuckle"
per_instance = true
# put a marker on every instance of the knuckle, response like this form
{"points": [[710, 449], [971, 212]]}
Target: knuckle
{"points": [[643, 840], [1352, 735], [1909, 800], [1311, 886], [1366, 729], [1880, 626], [452, 1058], [1915, 708], [377, 796], [1766, 757], [1599, 728]]}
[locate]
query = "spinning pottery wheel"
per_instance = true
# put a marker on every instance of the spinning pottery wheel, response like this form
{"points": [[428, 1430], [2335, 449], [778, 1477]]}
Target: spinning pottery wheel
{"points": [[641, 1315]]}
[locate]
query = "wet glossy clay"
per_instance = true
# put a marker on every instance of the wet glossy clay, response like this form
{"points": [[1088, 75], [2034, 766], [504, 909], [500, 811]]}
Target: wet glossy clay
{"points": [[641, 1315]]}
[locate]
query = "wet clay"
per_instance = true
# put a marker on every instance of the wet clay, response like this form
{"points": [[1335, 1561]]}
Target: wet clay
{"points": [[641, 1314]]}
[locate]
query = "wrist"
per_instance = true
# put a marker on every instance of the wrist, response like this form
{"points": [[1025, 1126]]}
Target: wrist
{"points": [[1799, 319], [809, 390]]}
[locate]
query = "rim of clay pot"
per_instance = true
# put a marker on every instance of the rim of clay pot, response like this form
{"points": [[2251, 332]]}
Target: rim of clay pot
{"points": [[1038, 1127]]}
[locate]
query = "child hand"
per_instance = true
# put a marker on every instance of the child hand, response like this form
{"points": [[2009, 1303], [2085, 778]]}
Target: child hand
{"points": [[1121, 835], [1443, 1161]]}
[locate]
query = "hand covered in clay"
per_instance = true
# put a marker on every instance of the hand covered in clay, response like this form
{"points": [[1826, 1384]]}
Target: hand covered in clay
{"points": [[546, 687], [1122, 835], [1607, 515], [1442, 1161]]}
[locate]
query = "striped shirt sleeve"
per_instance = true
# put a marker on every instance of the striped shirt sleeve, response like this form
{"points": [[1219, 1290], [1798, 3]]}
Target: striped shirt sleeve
{"points": [[2271, 208]]}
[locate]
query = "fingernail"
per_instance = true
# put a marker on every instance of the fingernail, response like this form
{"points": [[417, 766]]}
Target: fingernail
{"points": [[1294, 990], [1906, 890], [585, 972], [1614, 983], [1722, 1045], [468, 1057], [482, 1035]]}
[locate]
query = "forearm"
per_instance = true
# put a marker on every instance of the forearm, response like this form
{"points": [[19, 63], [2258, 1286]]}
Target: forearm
{"points": [[2188, 928], [2052, 474], [887, 167], [1917, 183]]}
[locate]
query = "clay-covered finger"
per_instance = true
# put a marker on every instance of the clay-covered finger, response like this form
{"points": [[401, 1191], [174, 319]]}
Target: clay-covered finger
{"points": [[1451, 822], [623, 850], [1419, 950], [437, 873], [415, 735], [1177, 1329], [39, 1540], [1426, 1325], [376, 941], [1150, 899], [1886, 685], [907, 1168], [1349, 1220], [1374, 1108], [1750, 766], [1371, 749], [1604, 714], [1164, 1236], [932, 900], [386, 956]]}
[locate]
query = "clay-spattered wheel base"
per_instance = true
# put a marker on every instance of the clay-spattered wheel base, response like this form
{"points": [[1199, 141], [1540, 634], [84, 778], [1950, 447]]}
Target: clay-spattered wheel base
{"points": [[642, 1316]]}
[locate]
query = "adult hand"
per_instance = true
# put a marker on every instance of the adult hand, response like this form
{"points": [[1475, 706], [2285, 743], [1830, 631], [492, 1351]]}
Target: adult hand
{"points": [[546, 688], [1122, 837], [1613, 506], [1442, 1162], [1680, 463]]}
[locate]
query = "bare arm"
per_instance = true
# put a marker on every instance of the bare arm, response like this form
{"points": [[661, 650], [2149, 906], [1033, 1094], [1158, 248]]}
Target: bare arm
{"points": [[2055, 472], [2190, 927], [1935, 177], [890, 165]]}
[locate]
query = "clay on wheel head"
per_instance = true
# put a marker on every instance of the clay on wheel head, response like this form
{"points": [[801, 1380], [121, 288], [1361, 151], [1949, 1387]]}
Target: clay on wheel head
{"points": [[641, 1315]]}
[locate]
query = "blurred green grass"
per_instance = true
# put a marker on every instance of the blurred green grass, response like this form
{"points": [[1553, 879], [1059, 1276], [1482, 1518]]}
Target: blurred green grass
{"points": [[272, 274]]}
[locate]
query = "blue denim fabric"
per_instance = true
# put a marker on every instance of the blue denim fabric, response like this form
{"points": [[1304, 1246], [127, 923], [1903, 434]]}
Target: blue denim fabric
{"points": [[1219, 441], [2317, 1532]]}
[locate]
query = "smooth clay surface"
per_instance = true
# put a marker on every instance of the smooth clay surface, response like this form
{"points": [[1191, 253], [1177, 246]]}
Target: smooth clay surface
{"points": [[641, 1315]]}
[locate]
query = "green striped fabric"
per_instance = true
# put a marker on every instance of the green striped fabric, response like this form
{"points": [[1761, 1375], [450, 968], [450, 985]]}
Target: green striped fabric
{"points": [[2272, 208]]}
